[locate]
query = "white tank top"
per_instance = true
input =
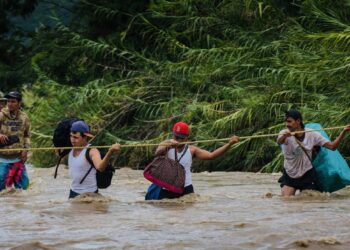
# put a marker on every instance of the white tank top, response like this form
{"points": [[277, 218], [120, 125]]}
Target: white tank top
{"points": [[186, 162], [78, 167]]}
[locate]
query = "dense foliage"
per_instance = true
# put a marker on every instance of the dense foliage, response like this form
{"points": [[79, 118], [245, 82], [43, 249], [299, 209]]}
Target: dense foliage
{"points": [[226, 67]]}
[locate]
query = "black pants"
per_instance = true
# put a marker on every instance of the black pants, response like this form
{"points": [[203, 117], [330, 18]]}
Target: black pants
{"points": [[308, 181], [73, 194], [166, 194]]}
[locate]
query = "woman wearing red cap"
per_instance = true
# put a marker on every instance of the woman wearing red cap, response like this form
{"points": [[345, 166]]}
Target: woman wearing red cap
{"points": [[186, 153]]}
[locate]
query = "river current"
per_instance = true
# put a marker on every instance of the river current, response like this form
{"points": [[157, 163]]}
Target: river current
{"points": [[230, 210]]}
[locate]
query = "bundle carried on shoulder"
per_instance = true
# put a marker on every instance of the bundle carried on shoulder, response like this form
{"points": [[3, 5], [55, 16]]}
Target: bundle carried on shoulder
{"points": [[167, 173], [332, 170], [61, 134], [61, 138]]}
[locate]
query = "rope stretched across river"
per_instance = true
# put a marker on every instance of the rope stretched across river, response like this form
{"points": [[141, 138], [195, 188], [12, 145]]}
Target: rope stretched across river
{"points": [[140, 145]]}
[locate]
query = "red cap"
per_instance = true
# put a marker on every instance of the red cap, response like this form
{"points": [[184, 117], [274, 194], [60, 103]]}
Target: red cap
{"points": [[181, 129]]}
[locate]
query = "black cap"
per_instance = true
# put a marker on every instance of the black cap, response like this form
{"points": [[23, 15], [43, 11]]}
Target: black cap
{"points": [[293, 113], [14, 95]]}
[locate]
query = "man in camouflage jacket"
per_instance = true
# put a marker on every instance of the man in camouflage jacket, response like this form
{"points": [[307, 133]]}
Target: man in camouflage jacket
{"points": [[14, 134]]}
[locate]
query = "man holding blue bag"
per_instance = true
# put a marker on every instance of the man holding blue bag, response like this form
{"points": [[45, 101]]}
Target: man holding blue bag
{"points": [[298, 145]]}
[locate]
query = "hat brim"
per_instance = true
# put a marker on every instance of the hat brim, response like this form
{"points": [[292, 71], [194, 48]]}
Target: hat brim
{"points": [[88, 135], [182, 136], [13, 97]]}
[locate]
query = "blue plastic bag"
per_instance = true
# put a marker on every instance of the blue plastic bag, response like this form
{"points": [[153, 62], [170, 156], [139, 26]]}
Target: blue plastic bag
{"points": [[153, 192], [332, 170]]}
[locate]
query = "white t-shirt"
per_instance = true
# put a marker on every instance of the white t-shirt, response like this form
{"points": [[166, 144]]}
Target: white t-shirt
{"points": [[78, 167], [186, 162], [296, 163]]}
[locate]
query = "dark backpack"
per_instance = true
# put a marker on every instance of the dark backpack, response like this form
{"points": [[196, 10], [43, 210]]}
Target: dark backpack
{"points": [[61, 137], [104, 178]]}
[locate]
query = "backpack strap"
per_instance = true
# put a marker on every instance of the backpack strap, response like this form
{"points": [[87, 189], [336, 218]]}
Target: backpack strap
{"points": [[87, 156], [61, 153], [58, 163]]}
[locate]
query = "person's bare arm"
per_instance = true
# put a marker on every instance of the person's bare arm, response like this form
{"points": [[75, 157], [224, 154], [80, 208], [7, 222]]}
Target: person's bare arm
{"points": [[282, 138], [101, 164], [26, 144], [207, 155], [164, 145], [3, 138], [333, 145], [26, 134]]}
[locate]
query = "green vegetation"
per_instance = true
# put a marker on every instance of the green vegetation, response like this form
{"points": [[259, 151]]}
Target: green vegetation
{"points": [[225, 67]]}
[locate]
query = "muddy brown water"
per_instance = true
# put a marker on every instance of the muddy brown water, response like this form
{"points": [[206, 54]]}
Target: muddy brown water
{"points": [[230, 210]]}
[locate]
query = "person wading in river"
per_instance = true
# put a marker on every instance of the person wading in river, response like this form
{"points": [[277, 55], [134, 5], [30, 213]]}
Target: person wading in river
{"points": [[186, 153], [298, 173], [79, 165], [14, 133]]}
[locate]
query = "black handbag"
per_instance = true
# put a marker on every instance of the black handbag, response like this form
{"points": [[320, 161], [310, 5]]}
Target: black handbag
{"points": [[12, 139], [104, 179]]}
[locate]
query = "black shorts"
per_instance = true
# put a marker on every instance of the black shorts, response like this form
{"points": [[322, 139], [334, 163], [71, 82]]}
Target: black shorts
{"points": [[166, 194], [308, 181]]}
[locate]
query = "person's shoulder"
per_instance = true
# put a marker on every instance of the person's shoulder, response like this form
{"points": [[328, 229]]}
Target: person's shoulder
{"points": [[312, 133], [70, 153], [193, 149], [23, 115], [93, 151], [316, 135]]}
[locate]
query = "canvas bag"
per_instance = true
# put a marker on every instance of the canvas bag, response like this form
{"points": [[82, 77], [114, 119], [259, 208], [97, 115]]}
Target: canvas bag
{"points": [[332, 170], [167, 173]]}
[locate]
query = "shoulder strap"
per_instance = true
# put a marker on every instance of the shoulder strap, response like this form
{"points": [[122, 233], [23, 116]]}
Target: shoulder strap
{"points": [[182, 155], [175, 152], [87, 156], [303, 148], [58, 163]]}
